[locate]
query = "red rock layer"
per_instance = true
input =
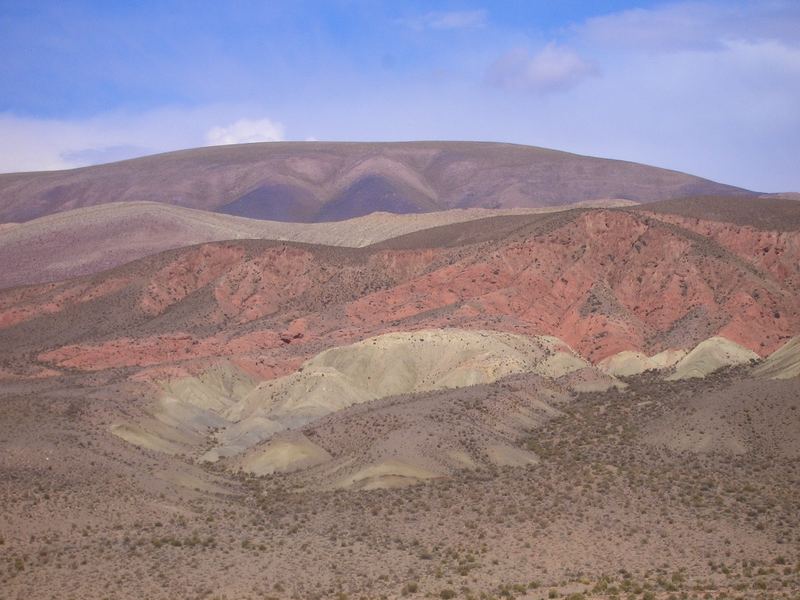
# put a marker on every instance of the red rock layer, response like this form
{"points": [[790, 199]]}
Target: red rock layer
{"points": [[603, 281]]}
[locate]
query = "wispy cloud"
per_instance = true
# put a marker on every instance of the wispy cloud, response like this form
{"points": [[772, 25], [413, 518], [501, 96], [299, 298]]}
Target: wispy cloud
{"points": [[551, 69], [708, 86], [245, 131], [464, 19], [694, 25], [42, 144]]}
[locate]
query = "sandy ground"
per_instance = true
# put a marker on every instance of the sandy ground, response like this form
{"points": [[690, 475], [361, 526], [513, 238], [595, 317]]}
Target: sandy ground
{"points": [[614, 500]]}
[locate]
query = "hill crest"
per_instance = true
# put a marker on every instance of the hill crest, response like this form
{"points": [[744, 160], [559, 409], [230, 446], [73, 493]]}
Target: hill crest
{"points": [[329, 181]]}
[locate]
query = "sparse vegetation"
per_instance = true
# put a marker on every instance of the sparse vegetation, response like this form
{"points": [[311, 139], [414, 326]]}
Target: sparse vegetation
{"points": [[517, 488]]}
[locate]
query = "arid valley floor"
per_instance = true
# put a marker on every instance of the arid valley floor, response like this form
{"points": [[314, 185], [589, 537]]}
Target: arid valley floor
{"points": [[594, 393]]}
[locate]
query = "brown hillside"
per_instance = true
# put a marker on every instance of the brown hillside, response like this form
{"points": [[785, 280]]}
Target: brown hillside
{"points": [[314, 181], [88, 240], [602, 280]]}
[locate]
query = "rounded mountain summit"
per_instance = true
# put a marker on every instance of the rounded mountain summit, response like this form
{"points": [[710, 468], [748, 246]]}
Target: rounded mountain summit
{"points": [[331, 181]]}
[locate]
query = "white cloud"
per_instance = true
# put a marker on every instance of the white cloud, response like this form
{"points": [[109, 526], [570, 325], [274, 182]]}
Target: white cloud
{"points": [[709, 88], [28, 144], [694, 25], [553, 68], [729, 115], [32, 144], [245, 131], [464, 19]]}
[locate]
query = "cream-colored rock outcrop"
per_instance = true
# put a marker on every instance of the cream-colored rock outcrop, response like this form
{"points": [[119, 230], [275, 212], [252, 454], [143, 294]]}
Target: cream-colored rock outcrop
{"points": [[402, 363], [283, 454], [784, 363], [227, 408], [709, 356], [628, 362]]}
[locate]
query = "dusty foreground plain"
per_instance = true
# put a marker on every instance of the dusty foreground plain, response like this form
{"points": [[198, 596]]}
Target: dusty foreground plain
{"points": [[662, 490], [591, 403]]}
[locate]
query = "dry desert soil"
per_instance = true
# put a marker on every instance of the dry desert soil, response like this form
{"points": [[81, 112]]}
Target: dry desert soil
{"points": [[596, 400]]}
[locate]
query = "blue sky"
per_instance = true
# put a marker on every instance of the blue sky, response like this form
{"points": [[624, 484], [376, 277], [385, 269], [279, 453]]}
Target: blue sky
{"points": [[711, 88]]}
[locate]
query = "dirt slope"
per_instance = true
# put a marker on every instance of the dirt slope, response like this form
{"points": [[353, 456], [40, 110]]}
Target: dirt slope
{"points": [[627, 362], [604, 281], [524, 487], [273, 426], [406, 439], [88, 240], [758, 212], [784, 363], [597, 508], [314, 181], [749, 416], [711, 355], [243, 413]]}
